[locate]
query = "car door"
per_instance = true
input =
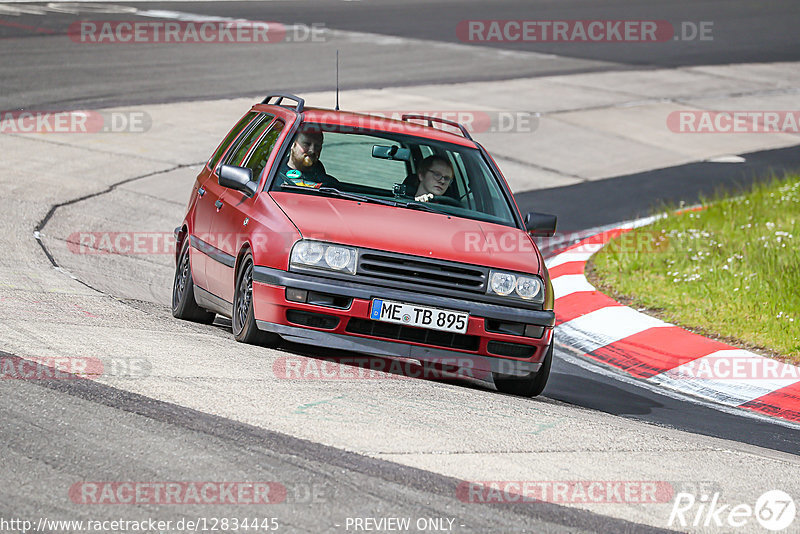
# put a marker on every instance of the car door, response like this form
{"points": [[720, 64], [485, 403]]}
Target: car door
{"points": [[207, 193], [228, 224]]}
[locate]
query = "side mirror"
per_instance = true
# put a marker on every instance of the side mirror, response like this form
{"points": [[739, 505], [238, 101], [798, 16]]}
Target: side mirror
{"points": [[540, 224], [238, 178]]}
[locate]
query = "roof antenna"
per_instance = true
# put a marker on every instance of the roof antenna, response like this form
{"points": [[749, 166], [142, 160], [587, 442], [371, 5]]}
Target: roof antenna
{"points": [[337, 79]]}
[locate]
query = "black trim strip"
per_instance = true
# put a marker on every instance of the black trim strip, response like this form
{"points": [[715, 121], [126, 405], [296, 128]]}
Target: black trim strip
{"points": [[277, 277], [213, 252], [210, 301]]}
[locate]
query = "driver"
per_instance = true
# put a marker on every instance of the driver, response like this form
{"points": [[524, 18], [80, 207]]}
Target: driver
{"points": [[435, 175], [303, 166]]}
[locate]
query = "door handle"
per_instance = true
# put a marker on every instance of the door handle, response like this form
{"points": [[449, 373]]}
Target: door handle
{"points": [[201, 191], [218, 204]]}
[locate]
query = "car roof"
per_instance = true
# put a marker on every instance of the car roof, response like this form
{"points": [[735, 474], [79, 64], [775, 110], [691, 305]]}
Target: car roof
{"points": [[373, 122]]}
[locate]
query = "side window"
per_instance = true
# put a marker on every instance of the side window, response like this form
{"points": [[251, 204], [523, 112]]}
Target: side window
{"points": [[241, 151], [233, 134], [258, 159]]}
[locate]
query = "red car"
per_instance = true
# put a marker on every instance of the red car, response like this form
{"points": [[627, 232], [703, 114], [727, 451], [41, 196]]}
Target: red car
{"points": [[355, 232]]}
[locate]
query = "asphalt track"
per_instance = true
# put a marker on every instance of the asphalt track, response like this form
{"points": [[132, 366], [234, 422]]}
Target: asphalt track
{"points": [[80, 75], [166, 434]]}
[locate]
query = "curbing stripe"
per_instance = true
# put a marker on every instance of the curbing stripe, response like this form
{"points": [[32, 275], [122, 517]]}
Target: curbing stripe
{"points": [[725, 372], [605, 326], [570, 283], [783, 403], [571, 267], [650, 352], [578, 252], [659, 352], [576, 304]]}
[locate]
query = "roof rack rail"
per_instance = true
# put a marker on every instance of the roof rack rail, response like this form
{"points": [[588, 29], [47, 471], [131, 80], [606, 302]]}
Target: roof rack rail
{"points": [[280, 96], [431, 120]]}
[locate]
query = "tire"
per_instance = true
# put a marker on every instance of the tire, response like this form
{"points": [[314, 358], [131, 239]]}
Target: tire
{"points": [[183, 304], [243, 322], [526, 386]]}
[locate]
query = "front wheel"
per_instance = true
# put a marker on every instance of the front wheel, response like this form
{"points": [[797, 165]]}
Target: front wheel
{"points": [[183, 304], [529, 385], [243, 321]]}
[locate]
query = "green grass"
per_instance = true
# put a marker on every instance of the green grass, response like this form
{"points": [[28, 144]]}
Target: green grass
{"points": [[730, 271]]}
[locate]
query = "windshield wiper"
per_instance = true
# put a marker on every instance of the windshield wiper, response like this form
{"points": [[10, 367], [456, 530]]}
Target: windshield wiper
{"points": [[422, 206], [353, 196], [333, 192]]}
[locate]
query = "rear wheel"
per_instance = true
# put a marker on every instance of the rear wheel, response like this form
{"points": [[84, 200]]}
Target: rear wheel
{"points": [[529, 385], [243, 321], [183, 304]]}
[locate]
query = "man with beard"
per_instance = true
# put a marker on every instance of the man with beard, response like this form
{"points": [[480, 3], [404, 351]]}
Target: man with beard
{"points": [[303, 166]]}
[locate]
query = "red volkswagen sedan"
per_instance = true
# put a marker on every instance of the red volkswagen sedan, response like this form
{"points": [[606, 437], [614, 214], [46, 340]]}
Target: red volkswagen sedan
{"points": [[384, 237]]}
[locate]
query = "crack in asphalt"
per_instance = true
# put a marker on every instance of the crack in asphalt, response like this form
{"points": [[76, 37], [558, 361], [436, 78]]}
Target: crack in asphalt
{"points": [[42, 223]]}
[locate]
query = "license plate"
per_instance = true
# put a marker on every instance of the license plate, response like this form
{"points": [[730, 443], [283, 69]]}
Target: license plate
{"points": [[421, 316]]}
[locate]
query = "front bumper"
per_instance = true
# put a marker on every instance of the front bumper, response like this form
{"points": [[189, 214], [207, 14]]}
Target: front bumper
{"points": [[271, 308]]}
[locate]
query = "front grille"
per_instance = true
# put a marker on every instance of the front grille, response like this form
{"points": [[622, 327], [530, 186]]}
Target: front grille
{"points": [[387, 266], [514, 350], [409, 333]]}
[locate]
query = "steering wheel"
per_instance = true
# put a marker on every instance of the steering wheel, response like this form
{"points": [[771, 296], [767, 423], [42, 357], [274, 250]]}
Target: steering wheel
{"points": [[447, 201]]}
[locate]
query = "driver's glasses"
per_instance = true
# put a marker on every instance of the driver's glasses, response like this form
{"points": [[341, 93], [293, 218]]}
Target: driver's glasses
{"points": [[441, 177]]}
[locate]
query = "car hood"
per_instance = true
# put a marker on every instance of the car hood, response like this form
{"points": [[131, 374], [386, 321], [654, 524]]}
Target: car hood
{"points": [[408, 231]]}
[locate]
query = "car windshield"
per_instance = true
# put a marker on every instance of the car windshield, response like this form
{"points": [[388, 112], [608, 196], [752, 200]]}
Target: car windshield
{"points": [[390, 168]]}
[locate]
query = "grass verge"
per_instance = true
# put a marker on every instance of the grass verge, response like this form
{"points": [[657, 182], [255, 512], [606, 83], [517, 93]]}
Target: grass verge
{"points": [[730, 271]]}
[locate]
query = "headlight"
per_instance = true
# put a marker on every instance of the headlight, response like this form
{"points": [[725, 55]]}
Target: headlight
{"points": [[308, 252], [529, 288], [324, 256], [338, 257], [502, 283]]}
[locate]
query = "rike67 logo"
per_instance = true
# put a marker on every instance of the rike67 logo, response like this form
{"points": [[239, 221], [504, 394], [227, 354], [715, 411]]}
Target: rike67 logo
{"points": [[774, 510]]}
